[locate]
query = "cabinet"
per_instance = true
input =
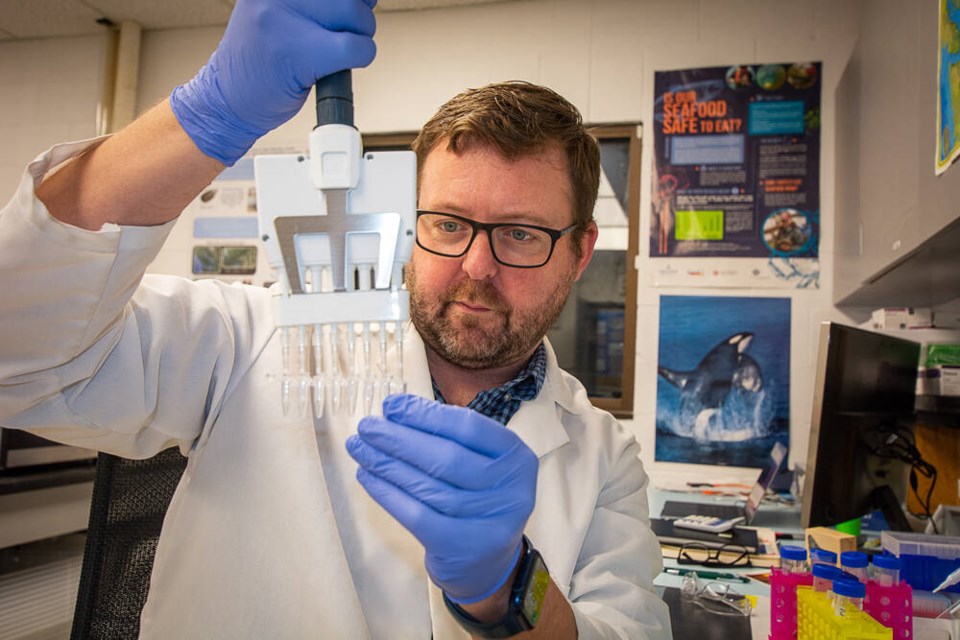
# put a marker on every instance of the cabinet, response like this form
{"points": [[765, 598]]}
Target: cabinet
{"points": [[897, 223]]}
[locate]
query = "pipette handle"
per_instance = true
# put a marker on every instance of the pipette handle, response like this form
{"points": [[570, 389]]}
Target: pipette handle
{"points": [[335, 99]]}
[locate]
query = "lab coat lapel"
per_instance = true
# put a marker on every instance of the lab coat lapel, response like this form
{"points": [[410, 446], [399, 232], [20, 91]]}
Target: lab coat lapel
{"points": [[539, 421]]}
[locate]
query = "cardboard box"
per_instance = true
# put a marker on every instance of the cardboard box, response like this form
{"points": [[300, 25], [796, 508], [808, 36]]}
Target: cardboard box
{"points": [[940, 380], [949, 380], [938, 354], [830, 539], [902, 318]]}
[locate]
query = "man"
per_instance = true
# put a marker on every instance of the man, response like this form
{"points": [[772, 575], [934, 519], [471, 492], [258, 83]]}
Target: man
{"points": [[269, 533]]}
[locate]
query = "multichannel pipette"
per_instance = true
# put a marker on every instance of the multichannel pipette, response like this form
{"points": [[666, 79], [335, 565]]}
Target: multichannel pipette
{"points": [[338, 228]]}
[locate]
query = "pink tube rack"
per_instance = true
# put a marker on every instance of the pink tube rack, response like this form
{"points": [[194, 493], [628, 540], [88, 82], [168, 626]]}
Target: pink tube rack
{"points": [[892, 607], [783, 602]]}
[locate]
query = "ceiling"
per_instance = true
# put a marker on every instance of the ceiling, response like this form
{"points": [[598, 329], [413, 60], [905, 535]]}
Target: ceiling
{"points": [[27, 19]]}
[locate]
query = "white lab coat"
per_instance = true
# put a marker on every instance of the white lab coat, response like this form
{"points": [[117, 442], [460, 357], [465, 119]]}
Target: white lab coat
{"points": [[269, 535]]}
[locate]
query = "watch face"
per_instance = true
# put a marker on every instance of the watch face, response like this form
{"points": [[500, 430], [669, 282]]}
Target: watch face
{"points": [[535, 592]]}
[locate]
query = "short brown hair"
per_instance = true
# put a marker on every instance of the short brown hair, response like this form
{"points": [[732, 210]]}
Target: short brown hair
{"points": [[517, 119]]}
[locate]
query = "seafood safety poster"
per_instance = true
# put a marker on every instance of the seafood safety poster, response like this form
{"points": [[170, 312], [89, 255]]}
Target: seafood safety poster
{"points": [[736, 176], [723, 384]]}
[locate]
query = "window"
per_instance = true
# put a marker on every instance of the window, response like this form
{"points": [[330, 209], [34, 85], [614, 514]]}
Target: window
{"points": [[594, 336]]}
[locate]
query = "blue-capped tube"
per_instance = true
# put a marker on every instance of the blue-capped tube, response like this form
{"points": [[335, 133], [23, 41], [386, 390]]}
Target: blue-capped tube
{"points": [[793, 559], [886, 570], [822, 556], [855, 562], [847, 595], [824, 575]]}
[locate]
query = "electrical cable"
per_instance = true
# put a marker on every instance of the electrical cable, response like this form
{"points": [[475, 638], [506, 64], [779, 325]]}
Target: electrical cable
{"points": [[899, 444]]}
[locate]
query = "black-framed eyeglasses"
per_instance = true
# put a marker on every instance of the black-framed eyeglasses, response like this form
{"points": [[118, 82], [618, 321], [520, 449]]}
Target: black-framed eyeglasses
{"points": [[728, 555], [525, 246]]}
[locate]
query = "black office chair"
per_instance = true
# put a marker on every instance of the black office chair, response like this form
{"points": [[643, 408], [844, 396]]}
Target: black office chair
{"points": [[130, 498]]}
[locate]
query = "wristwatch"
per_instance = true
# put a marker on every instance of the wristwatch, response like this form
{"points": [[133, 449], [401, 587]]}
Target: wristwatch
{"points": [[526, 599]]}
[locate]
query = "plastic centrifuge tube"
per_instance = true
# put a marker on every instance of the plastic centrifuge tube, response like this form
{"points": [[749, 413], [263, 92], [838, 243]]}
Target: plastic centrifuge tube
{"points": [[886, 570], [317, 384], [855, 563], [847, 595], [822, 556], [824, 575], [793, 559], [400, 386]]}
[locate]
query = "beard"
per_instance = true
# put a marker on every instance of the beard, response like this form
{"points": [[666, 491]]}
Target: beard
{"points": [[509, 335]]}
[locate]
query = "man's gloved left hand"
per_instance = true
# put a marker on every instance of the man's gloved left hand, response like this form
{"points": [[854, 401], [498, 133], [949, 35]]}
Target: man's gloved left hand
{"points": [[463, 484], [271, 54]]}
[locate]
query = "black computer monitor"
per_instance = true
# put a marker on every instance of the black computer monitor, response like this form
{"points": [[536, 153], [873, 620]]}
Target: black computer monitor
{"points": [[861, 427]]}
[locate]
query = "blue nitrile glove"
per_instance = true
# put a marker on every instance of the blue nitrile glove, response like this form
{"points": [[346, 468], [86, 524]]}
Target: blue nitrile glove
{"points": [[463, 484], [271, 54]]}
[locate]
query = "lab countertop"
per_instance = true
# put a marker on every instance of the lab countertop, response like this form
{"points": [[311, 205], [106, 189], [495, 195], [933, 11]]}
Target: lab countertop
{"points": [[780, 518]]}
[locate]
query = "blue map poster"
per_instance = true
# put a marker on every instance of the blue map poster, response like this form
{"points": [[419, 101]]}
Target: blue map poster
{"points": [[948, 103], [723, 386]]}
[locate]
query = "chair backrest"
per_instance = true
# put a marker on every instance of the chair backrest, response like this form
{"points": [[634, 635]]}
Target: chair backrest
{"points": [[130, 498]]}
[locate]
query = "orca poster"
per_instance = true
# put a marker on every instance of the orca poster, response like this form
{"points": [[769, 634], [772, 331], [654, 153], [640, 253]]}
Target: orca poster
{"points": [[723, 383], [736, 182]]}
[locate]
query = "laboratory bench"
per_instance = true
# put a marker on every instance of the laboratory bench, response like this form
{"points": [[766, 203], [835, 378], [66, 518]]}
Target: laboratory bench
{"points": [[687, 617], [782, 522]]}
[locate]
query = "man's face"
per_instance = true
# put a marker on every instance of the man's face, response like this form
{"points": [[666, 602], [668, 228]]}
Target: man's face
{"points": [[473, 311]]}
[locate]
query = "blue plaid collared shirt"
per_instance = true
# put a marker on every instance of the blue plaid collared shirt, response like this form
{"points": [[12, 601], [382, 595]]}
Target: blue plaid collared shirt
{"points": [[500, 403]]}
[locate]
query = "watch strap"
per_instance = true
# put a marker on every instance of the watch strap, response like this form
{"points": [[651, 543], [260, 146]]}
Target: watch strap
{"points": [[514, 621], [508, 626]]}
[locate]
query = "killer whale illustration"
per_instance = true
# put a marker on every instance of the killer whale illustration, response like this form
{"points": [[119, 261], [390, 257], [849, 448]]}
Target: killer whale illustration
{"points": [[725, 370]]}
